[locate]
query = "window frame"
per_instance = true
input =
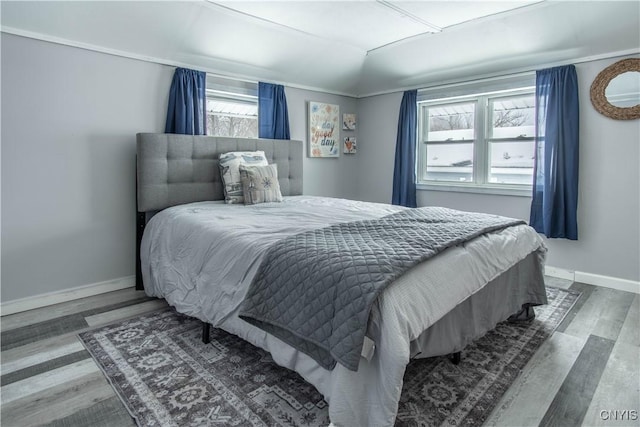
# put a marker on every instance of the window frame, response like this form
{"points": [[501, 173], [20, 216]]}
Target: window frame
{"points": [[481, 142]]}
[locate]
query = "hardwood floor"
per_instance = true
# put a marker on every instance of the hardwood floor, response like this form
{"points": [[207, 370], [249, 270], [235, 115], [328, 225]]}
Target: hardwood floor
{"points": [[582, 375]]}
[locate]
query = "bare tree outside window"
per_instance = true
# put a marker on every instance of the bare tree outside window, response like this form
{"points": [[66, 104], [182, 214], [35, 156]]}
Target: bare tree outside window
{"points": [[509, 118], [239, 127], [452, 117], [451, 122], [516, 112], [232, 118]]}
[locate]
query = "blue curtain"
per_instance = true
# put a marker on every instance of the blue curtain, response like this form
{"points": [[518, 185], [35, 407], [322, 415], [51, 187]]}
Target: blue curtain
{"points": [[404, 171], [186, 113], [555, 184], [273, 116]]}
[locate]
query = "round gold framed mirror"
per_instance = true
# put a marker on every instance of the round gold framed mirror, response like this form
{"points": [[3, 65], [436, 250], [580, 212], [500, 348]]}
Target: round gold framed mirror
{"points": [[619, 99]]}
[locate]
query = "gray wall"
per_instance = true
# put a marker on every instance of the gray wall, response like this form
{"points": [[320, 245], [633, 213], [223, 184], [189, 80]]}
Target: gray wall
{"points": [[334, 177], [69, 119], [378, 126], [609, 199]]}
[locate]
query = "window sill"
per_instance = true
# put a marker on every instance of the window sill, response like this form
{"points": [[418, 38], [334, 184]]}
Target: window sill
{"points": [[502, 190]]}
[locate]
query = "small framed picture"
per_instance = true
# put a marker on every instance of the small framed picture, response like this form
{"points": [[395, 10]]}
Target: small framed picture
{"points": [[348, 121], [349, 145]]}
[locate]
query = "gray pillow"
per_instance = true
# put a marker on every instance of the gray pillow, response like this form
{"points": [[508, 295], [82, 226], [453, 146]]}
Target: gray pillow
{"points": [[260, 184], [229, 164]]}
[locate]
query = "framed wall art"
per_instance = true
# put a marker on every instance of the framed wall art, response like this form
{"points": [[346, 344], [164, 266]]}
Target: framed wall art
{"points": [[349, 121], [324, 130], [349, 145]]}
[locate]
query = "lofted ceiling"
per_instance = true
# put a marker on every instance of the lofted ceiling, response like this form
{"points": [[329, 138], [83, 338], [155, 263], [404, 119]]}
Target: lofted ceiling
{"points": [[356, 48], [369, 25]]}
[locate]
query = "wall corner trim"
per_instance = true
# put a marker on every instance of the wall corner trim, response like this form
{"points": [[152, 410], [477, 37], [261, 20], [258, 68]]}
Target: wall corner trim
{"points": [[594, 279], [51, 298]]}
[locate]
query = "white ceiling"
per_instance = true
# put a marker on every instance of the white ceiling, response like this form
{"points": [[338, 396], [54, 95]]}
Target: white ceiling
{"points": [[368, 25], [349, 47]]}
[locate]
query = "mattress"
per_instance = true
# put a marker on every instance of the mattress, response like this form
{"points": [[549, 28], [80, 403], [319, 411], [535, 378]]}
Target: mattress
{"points": [[201, 258]]}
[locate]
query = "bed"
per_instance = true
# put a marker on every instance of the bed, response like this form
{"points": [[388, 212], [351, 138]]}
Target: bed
{"points": [[202, 255]]}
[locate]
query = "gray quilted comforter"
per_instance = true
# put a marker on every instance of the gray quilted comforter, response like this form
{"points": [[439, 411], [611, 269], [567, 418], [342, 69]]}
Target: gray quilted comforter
{"points": [[315, 290]]}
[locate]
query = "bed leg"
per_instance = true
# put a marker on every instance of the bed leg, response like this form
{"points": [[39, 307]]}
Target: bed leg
{"points": [[525, 315], [140, 224], [206, 330], [455, 357]]}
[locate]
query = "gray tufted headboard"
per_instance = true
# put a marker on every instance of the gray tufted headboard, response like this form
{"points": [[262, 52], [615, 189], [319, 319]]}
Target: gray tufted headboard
{"points": [[177, 169]]}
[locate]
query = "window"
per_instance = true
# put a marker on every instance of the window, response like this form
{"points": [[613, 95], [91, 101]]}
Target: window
{"points": [[510, 139], [232, 108], [449, 140], [479, 140]]}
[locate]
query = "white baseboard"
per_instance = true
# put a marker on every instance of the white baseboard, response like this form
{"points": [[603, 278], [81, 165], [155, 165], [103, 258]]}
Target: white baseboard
{"points": [[560, 273], [50, 298], [594, 279], [608, 282]]}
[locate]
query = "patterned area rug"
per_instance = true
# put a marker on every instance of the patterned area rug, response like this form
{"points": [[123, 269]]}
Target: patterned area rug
{"points": [[165, 375]]}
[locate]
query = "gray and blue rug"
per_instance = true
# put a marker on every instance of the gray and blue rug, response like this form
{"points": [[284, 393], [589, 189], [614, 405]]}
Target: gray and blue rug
{"points": [[165, 375]]}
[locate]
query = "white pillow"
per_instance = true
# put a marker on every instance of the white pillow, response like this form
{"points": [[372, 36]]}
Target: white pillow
{"points": [[230, 172]]}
